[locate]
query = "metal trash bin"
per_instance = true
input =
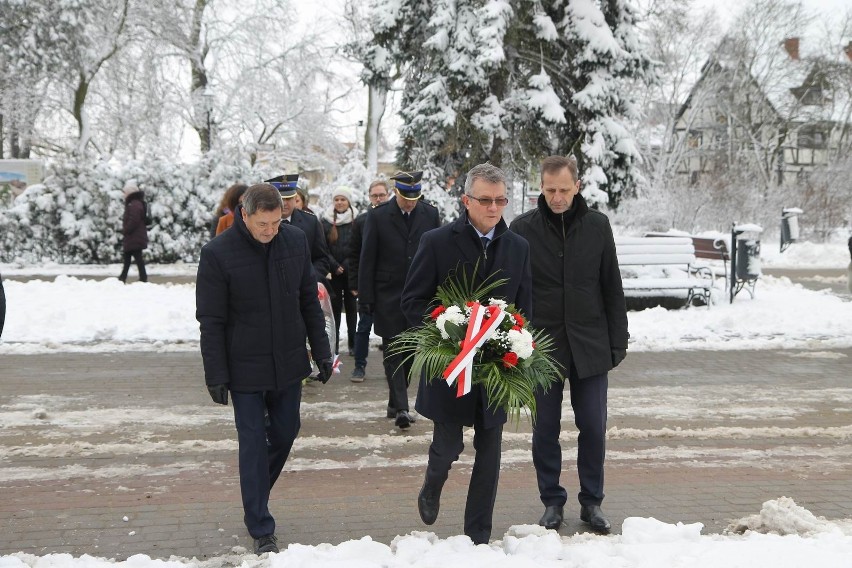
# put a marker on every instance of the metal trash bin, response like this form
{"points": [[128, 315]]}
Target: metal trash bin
{"points": [[748, 259]]}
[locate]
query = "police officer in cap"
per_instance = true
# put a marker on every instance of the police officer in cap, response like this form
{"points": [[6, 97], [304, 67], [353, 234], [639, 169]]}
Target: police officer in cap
{"points": [[307, 222], [391, 236]]}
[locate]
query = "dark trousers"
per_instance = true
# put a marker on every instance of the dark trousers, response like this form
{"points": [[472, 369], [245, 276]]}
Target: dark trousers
{"points": [[136, 255], [362, 339], [588, 399], [264, 448], [446, 446], [396, 373], [343, 300]]}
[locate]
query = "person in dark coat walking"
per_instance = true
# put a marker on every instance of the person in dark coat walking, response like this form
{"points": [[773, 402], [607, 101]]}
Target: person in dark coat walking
{"points": [[378, 192], [337, 225], [391, 234], [134, 230], [579, 301], [256, 302], [478, 239], [307, 222]]}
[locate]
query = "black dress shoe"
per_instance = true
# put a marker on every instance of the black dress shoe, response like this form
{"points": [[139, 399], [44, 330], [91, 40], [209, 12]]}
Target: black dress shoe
{"points": [[266, 543], [428, 502], [403, 419], [552, 517], [593, 515]]}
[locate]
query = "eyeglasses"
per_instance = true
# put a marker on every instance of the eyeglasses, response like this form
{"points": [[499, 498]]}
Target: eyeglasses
{"points": [[378, 195], [488, 202]]}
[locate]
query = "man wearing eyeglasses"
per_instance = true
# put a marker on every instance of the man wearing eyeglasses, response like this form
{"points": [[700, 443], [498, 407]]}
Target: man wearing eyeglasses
{"points": [[378, 192], [579, 301], [479, 244], [392, 232], [256, 301]]}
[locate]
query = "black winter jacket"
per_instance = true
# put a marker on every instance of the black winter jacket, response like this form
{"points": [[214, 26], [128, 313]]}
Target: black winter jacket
{"points": [[256, 305], [133, 223], [339, 250], [311, 226], [577, 294], [458, 246]]}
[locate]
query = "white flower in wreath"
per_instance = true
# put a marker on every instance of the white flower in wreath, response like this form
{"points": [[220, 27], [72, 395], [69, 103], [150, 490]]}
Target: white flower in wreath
{"points": [[453, 314], [521, 342], [499, 303]]}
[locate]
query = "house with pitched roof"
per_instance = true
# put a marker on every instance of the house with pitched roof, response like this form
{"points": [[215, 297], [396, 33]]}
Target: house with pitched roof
{"points": [[781, 113]]}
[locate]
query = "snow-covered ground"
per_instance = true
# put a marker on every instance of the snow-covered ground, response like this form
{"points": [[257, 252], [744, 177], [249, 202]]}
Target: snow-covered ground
{"points": [[76, 309], [782, 535]]}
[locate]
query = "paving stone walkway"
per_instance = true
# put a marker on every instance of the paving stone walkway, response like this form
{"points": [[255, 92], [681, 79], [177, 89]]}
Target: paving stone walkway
{"points": [[123, 453]]}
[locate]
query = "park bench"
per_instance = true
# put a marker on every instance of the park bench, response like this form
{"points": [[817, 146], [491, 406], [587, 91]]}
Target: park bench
{"points": [[661, 267], [747, 260]]}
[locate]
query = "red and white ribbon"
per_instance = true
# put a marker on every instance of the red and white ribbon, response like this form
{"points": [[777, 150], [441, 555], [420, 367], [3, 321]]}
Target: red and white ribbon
{"points": [[476, 335]]}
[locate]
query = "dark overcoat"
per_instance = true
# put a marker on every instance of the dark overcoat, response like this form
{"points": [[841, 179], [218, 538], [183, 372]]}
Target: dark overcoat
{"points": [[354, 252], [577, 295], [133, 223], [256, 305], [2, 306], [312, 227], [387, 250], [457, 246]]}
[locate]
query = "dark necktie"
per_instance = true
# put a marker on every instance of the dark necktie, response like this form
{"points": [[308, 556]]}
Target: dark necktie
{"points": [[485, 241], [287, 221], [407, 217]]}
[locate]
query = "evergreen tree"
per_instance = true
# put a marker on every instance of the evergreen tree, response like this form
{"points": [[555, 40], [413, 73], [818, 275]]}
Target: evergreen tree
{"points": [[510, 82]]}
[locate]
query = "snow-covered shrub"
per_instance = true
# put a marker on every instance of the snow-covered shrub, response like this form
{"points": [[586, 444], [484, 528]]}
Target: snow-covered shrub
{"points": [[75, 215]]}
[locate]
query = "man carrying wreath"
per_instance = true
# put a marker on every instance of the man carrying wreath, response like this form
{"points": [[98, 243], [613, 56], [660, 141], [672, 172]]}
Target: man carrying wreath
{"points": [[480, 245]]}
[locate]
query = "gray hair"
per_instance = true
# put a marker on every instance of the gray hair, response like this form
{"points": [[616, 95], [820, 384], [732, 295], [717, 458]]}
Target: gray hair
{"points": [[261, 197], [486, 172]]}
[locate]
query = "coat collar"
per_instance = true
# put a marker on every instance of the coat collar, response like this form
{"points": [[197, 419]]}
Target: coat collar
{"points": [[547, 214], [467, 240]]}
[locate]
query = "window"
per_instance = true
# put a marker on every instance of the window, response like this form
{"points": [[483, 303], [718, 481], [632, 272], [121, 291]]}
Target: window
{"points": [[812, 137]]}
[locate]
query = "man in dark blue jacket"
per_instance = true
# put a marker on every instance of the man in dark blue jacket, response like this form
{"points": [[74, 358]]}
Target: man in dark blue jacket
{"points": [[478, 239], [256, 301]]}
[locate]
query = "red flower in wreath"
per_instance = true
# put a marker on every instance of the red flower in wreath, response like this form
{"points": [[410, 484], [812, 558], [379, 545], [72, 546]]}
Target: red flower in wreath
{"points": [[437, 311], [519, 319], [510, 360]]}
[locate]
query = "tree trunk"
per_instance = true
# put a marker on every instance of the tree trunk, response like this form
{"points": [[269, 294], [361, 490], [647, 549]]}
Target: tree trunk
{"points": [[375, 110], [80, 114], [198, 88]]}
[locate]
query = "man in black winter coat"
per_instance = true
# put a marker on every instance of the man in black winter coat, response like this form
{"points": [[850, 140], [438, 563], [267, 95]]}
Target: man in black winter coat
{"points": [[579, 301], [391, 234], [256, 301], [378, 192], [480, 239]]}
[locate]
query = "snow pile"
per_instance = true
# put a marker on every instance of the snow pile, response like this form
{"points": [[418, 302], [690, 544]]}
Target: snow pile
{"points": [[643, 543], [783, 517]]}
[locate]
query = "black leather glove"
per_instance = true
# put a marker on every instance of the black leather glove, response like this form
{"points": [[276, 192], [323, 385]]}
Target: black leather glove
{"points": [[326, 368], [219, 393], [365, 308], [618, 356]]}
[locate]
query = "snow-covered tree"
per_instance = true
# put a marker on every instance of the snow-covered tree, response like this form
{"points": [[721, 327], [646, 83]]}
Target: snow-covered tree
{"points": [[510, 82]]}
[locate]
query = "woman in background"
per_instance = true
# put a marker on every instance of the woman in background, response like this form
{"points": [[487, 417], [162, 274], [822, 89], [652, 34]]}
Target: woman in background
{"points": [[234, 197], [134, 230], [337, 222], [224, 206]]}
